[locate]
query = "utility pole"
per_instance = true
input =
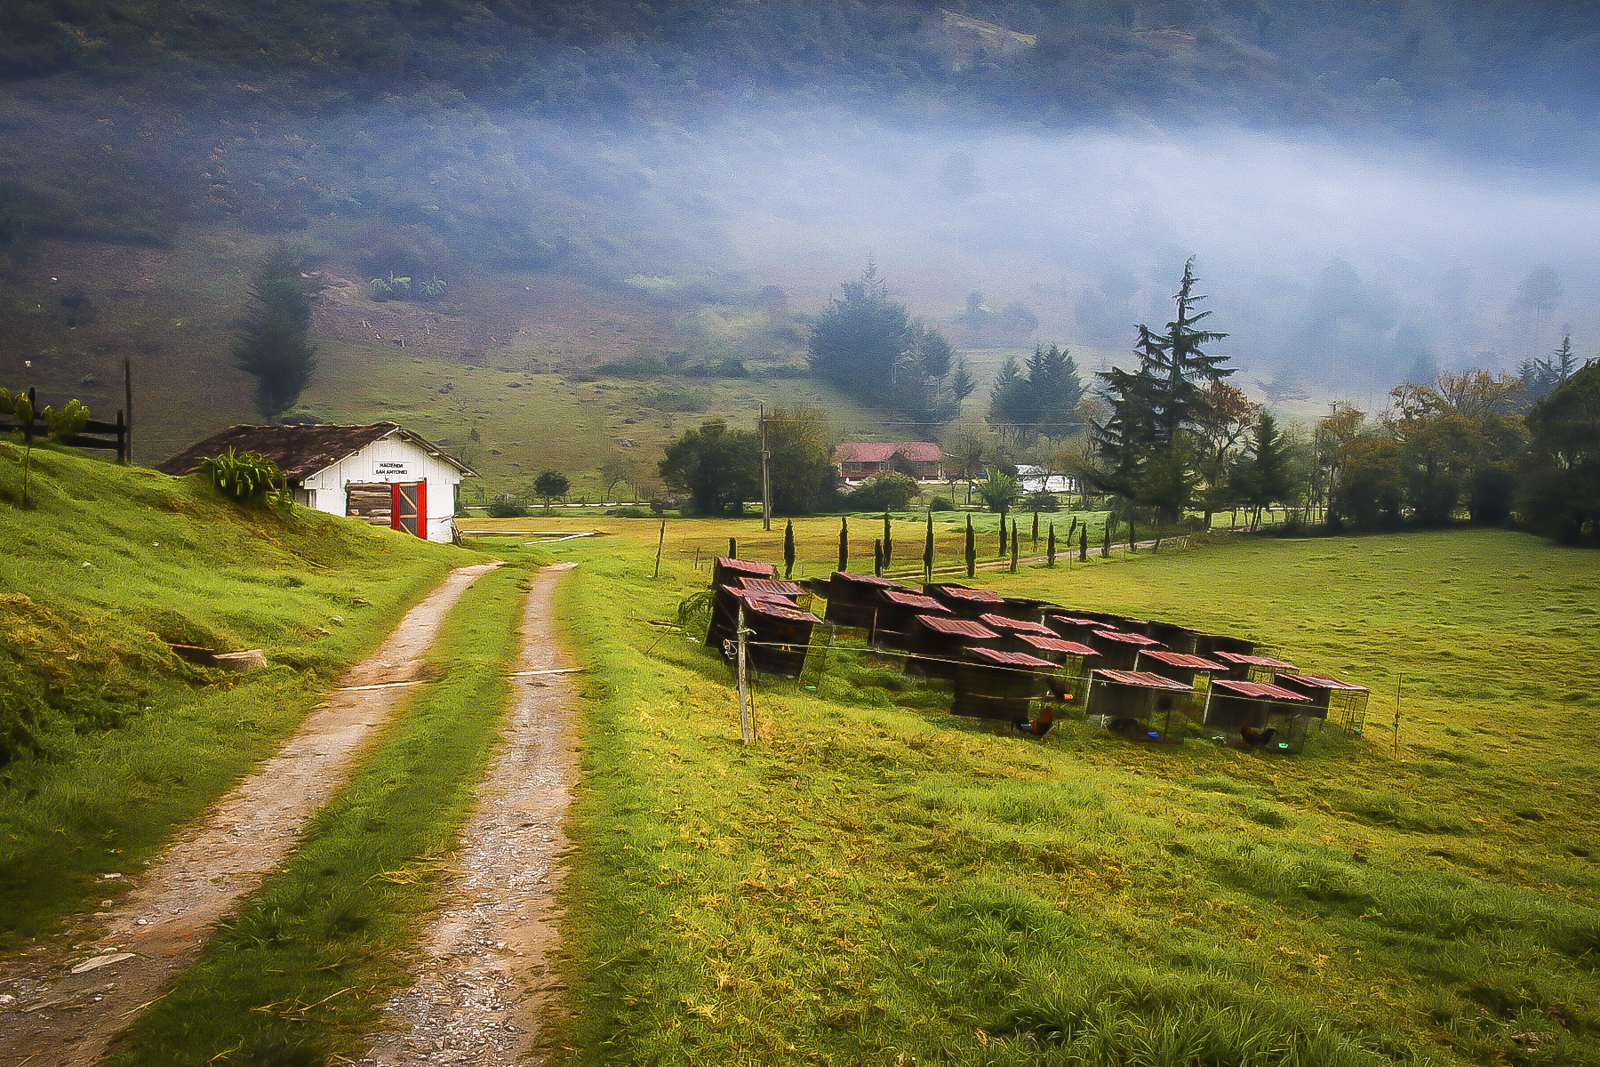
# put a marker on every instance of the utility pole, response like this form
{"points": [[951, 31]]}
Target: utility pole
{"points": [[766, 481]]}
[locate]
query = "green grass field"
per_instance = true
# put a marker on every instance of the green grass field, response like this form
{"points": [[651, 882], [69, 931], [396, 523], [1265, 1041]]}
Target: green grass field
{"points": [[877, 882]]}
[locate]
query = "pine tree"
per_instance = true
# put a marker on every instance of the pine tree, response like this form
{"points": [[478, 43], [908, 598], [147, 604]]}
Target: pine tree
{"points": [[273, 342]]}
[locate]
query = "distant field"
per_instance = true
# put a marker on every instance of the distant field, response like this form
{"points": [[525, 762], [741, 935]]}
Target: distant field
{"points": [[875, 879]]}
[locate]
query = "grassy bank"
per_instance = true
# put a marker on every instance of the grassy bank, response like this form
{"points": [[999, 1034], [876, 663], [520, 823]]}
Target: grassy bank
{"points": [[301, 971], [107, 739], [876, 883]]}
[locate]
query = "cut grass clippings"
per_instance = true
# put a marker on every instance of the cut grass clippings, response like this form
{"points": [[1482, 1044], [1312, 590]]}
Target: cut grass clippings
{"points": [[878, 883], [301, 971]]}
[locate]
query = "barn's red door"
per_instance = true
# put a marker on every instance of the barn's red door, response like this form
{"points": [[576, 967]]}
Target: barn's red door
{"points": [[408, 507]]}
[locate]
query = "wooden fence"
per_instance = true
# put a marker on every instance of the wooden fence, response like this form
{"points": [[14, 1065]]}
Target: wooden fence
{"points": [[95, 434]]}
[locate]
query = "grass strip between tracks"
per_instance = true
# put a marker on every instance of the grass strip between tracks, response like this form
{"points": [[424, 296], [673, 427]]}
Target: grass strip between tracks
{"points": [[301, 970]]}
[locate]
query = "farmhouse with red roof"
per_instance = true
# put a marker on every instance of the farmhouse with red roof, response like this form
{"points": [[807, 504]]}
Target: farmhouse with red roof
{"points": [[860, 460]]}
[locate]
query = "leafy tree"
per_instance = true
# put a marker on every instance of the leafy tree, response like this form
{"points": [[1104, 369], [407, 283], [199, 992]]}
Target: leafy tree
{"points": [[720, 468], [889, 491], [800, 441], [273, 341], [868, 346], [1371, 488], [1000, 492], [1219, 434], [1561, 490], [1452, 435], [549, 485]]}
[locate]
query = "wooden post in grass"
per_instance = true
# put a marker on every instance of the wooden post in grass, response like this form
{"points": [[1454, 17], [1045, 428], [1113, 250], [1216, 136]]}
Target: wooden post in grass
{"points": [[1105, 546], [1397, 714], [733, 548], [662, 540], [1133, 543], [127, 405], [744, 690], [927, 551], [888, 539]]}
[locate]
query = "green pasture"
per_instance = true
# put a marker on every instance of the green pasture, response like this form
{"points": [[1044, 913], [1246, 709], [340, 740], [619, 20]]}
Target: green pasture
{"points": [[108, 741], [874, 881]]}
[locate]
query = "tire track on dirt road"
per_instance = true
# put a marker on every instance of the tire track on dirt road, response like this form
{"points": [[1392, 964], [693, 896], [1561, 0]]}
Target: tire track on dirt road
{"points": [[483, 977], [67, 1019]]}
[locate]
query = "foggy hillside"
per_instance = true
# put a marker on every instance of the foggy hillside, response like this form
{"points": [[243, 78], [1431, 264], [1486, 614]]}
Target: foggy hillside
{"points": [[1372, 191]]}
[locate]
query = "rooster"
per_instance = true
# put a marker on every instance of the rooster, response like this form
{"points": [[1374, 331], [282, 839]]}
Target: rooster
{"points": [[1041, 726], [1257, 738]]}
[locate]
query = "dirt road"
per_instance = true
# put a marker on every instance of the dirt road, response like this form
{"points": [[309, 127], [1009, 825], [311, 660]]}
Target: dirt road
{"points": [[482, 978], [67, 1019]]}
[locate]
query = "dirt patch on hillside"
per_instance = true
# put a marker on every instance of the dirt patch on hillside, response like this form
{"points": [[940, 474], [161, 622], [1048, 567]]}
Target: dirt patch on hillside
{"points": [[483, 976], [68, 1010], [539, 321]]}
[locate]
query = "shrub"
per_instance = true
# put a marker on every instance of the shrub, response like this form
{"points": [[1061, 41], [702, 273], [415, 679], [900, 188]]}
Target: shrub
{"points": [[891, 491], [247, 477], [939, 503], [1041, 501], [507, 509]]}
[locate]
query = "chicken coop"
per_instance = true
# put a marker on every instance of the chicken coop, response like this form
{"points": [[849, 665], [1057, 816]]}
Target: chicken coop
{"points": [[1331, 699], [1118, 649], [1175, 637], [1192, 671], [937, 642], [1071, 627], [774, 586], [1208, 645], [1135, 704], [896, 608], [853, 598], [725, 602], [780, 637], [1253, 668], [727, 571], [1012, 629], [994, 684], [963, 602], [1258, 715], [1073, 662]]}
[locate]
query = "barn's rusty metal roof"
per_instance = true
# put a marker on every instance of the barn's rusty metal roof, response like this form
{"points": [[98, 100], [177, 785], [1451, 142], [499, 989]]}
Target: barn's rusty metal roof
{"points": [[907, 599], [1258, 690], [1056, 644], [1010, 659], [1240, 660], [1000, 622], [770, 585], [957, 627], [1320, 681], [302, 451], [1140, 678], [1128, 639], [1181, 659]]}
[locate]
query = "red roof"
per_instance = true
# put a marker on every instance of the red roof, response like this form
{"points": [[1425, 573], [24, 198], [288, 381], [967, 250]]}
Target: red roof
{"points": [[1254, 661], [1257, 690], [776, 607], [1056, 644], [1073, 620], [1140, 678], [977, 596], [1010, 659], [876, 452], [1128, 639], [770, 585], [866, 579], [1320, 681], [1181, 659], [1000, 622], [747, 566], [957, 627], [913, 600]]}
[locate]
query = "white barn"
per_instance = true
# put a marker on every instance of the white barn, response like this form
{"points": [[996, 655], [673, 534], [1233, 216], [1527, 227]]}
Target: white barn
{"points": [[382, 473]]}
